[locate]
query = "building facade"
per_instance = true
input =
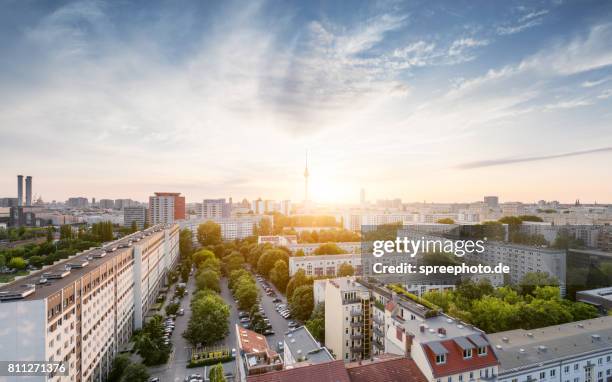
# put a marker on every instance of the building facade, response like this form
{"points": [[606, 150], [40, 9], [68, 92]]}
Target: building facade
{"points": [[323, 265], [135, 214], [82, 309], [165, 207]]}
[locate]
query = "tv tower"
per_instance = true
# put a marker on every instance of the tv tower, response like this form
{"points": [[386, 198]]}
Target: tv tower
{"points": [[306, 174]]}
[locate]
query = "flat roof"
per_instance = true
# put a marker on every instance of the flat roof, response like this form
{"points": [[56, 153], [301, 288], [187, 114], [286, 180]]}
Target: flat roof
{"points": [[53, 285], [300, 343], [453, 329], [605, 293], [522, 348]]}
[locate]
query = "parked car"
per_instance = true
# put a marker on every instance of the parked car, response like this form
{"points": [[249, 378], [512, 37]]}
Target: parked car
{"points": [[277, 300], [245, 320], [268, 332], [181, 312], [280, 346], [242, 314], [292, 324]]}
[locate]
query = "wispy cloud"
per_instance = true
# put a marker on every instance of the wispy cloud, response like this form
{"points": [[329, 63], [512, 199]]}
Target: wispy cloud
{"points": [[526, 21], [505, 161]]}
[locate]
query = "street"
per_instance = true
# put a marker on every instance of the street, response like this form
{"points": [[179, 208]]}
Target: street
{"points": [[175, 370]]}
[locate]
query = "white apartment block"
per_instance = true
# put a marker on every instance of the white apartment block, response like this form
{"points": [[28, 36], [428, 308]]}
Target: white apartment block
{"points": [[347, 319], [310, 248], [573, 352], [523, 259], [231, 228], [82, 309], [354, 221], [323, 265], [135, 214]]}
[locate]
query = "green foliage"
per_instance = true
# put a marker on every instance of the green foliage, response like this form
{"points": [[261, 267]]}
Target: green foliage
{"points": [[135, 372], [209, 233], [279, 275], [531, 280], [233, 262], [102, 231], [263, 228], [246, 293], [299, 252], [257, 323], [282, 221], [565, 240], [17, 263], [445, 221], [120, 363], [185, 243], [208, 279], [298, 279], [501, 309], [329, 249], [209, 320], [301, 302], [401, 291], [66, 232], [201, 256], [268, 259], [36, 261], [172, 309], [208, 361], [328, 236], [216, 373], [316, 323], [150, 343], [345, 269]]}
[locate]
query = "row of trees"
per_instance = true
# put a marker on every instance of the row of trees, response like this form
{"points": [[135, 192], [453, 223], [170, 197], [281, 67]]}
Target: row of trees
{"points": [[244, 289], [150, 342], [21, 233], [123, 370], [534, 303], [209, 321], [325, 236]]}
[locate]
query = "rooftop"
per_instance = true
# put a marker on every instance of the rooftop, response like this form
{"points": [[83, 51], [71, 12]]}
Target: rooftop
{"points": [[346, 284], [388, 369], [522, 348], [605, 293], [65, 272], [429, 330], [322, 372], [304, 348]]}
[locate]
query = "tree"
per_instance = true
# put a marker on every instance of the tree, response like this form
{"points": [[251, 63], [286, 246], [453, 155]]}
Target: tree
{"points": [[257, 323], [208, 279], [531, 280], [17, 263], [246, 293], [209, 320], [186, 243], [329, 249], [120, 363], [279, 275], [150, 343], [263, 228], [269, 258], [316, 323], [135, 372], [233, 262], [2, 260], [65, 232], [302, 302], [216, 373], [298, 279], [201, 256], [172, 309], [50, 232], [212, 264], [134, 226], [299, 252], [209, 233], [345, 269], [36, 261], [445, 221]]}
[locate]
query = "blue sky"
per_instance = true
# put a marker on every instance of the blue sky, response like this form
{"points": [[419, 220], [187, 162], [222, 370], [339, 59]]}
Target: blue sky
{"points": [[436, 101]]}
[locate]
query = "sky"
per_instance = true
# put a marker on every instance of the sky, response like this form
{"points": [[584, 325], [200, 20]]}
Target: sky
{"points": [[435, 101]]}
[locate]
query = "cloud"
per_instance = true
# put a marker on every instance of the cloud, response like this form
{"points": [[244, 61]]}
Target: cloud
{"points": [[590, 84], [505, 161], [528, 20], [605, 94]]}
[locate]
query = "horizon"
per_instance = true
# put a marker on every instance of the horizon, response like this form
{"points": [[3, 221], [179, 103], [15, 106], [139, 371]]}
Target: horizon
{"points": [[217, 99]]}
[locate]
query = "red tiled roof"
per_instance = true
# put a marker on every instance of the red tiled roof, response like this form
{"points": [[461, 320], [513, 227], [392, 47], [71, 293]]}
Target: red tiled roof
{"points": [[333, 371], [455, 363], [253, 342], [387, 370]]}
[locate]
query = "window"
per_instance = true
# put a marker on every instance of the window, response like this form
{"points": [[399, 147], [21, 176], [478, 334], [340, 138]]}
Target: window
{"points": [[450, 379], [553, 372], [460, 377], [482, 350], [471, 375], [566, 369], [575, 366], [542, 375], [576, 379], [441, 359], [608, 359], [467, 353], [600, 361], [514, 380]]}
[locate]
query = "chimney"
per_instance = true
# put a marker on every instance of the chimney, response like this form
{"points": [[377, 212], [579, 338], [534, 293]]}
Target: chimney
{"points": [[409, 340], [28, 191], [19, 190], [442, 331], [422, 328]]}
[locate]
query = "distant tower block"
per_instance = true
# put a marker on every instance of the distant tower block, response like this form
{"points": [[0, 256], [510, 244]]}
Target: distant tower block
{"points": [[20, 190], [28, 191]]}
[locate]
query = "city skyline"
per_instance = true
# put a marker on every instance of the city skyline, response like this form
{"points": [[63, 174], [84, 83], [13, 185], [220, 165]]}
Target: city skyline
{"points": [[445, 103]]}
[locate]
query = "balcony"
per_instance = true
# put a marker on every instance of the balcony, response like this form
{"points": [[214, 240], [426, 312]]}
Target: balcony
{"points": [[356, 348], [358, 324], [378, 320], [378, 332], [378, 344], [356, 312], [356, 336]]}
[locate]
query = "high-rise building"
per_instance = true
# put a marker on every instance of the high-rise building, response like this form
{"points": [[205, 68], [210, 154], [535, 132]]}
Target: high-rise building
{"points": [[107, 203], [215, 208], [135, 214], [82, 310], [8, 202], [20, 190], [362, 197], [28, 191], [491, 201], [77, 202], [166, 207]]}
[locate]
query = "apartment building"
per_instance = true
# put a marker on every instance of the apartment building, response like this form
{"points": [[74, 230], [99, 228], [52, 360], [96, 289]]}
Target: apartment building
{"points": [[323, 265], [574, 352], [355, 220], [106, 204], [523, 259], [301, 349], [347, 319], [166, 207], [135, 214], [82, 309], [309, 248], [254, 356], [215, 209], [444, 349], [231, 228], [277, 240]]}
